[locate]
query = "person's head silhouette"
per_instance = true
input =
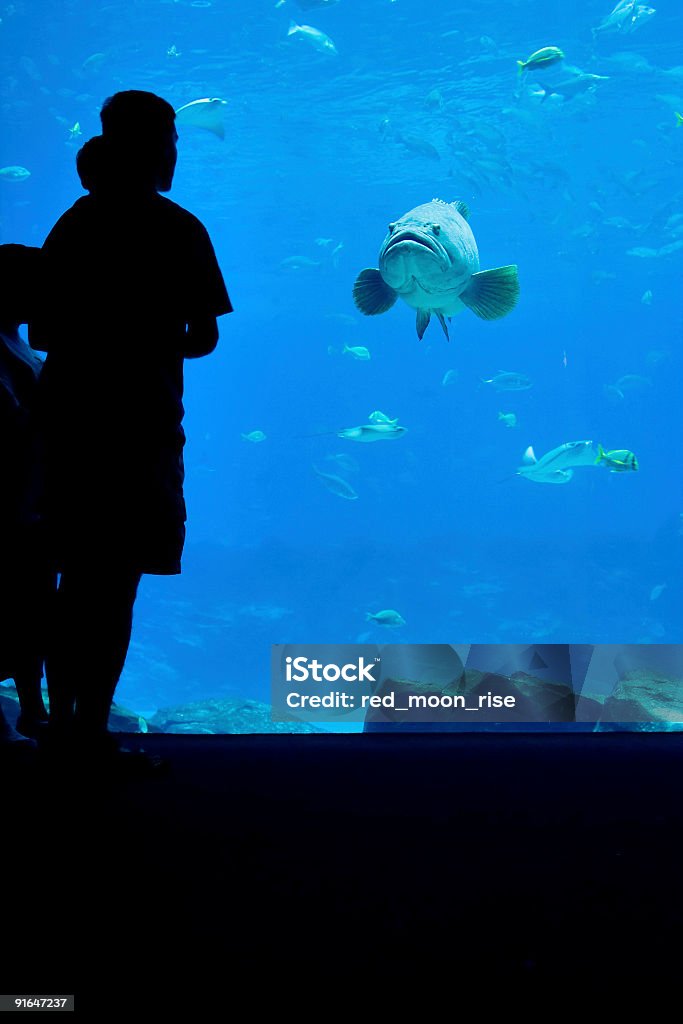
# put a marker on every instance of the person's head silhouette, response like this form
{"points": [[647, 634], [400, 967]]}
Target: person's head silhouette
{"points": [[93, 164], [139, 130]]}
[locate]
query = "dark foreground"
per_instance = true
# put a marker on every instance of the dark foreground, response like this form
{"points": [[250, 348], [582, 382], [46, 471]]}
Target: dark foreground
{"points": [[417, 863]]}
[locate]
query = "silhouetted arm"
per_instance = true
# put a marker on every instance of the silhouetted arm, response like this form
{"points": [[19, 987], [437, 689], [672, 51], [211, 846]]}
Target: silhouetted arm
{"points": [[201, 337], [37, 335], [48, 302]]}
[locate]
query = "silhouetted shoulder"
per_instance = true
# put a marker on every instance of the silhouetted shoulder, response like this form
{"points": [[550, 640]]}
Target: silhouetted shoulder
{"points": [[207, 285], [69, 220], [149, 251], [183, 216]]}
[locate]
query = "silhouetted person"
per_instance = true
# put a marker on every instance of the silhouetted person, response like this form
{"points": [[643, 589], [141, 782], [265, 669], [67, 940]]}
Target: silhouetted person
{"points": [[26, 583], [134, 289]]}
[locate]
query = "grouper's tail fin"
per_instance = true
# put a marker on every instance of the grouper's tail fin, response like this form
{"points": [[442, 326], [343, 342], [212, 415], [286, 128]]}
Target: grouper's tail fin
{"points": [[492, 294]]}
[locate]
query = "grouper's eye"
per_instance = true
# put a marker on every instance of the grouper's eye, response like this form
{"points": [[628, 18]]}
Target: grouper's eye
{"points": [[436, 228], [392, 226]]}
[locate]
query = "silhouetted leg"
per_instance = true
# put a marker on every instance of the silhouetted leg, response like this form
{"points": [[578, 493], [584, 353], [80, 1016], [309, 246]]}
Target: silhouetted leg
{"points": [[33, 715], [106, 613], [62, 656], [30, 693], [33, 592]]}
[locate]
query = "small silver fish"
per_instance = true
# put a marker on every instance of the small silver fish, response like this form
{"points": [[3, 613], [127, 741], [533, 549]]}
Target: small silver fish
{"points": [[336, 485], [313, 36], [572, 87], [508, 381], [298, 263], [14, 173], [388, 617], [418, 145], [359, 352], [94, 62]]}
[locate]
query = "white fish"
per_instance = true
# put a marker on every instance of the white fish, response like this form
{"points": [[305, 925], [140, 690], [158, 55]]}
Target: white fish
{"points": [[505, 380], [577, 85], [429, 258], [14, 173], [313, 36], [556, 466], [298, 263], [618, 18], [206, 113], [336, 485], [657, 591], [388, 617], [508, 418], [359, 352], [373, 432], [626, 17], [632, 382], [94, 62], [255, 436], [642, 14]]}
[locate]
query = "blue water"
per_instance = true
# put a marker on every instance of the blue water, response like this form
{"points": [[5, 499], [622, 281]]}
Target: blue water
{"points": [[443, 530]]}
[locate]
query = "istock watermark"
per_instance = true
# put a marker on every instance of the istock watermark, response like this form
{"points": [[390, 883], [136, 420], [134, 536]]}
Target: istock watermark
{"points": [[302, 669], [506, 684]]}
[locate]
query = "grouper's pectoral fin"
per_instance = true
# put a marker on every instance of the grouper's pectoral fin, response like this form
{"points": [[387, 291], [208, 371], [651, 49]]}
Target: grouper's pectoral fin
{"points": [[492, 293], [422, 321], [372, 294], [444, 325]]}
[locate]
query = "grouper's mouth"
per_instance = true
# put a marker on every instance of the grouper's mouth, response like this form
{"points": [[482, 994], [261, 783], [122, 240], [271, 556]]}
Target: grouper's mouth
{"points": [[415, 238]]}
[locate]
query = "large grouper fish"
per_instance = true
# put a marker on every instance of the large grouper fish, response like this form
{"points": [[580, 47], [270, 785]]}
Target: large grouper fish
{"points": [[430, 260]]}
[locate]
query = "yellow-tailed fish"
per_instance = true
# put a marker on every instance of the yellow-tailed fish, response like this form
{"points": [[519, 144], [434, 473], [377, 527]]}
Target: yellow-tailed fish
{"points": [[543, 58], [620, 460]]}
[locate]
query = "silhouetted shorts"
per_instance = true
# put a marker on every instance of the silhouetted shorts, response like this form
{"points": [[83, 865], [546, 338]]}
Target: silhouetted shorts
{"points": [[116, 544], [132, 523]]}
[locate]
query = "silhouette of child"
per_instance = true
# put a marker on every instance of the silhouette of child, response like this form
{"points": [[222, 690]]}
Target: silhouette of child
{"points": [[27, 582], [134, 289]]}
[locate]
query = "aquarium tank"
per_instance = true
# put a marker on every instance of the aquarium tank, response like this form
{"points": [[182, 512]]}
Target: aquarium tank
{"points": [[385, 451]]}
